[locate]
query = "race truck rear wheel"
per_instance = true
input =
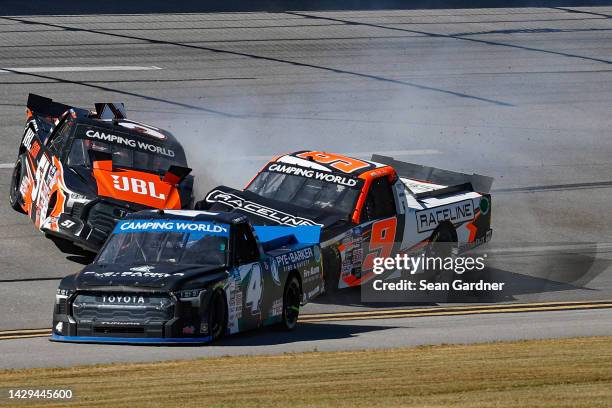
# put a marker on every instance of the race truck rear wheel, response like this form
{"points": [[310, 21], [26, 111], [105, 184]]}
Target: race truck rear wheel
{"points": [[291, 302], [441, 245], [331, 269], [15, 183], [217, 315]]}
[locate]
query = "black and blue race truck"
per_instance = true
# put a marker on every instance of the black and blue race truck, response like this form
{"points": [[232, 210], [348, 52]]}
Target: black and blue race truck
{"points": [[179, 276]]}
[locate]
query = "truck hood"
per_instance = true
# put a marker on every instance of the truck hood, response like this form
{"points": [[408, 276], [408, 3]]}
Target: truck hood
{"points": [[159, 277], [263, 211], [137, 187]]}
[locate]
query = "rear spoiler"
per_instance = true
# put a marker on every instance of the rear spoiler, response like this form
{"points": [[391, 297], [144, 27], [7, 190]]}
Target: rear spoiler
{"points": [[273, 237], [111, 110], [455, 180], [43, 106]]}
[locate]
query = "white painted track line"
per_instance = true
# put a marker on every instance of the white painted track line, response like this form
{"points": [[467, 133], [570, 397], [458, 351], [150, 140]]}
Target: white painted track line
{"points": [[33, 70]]}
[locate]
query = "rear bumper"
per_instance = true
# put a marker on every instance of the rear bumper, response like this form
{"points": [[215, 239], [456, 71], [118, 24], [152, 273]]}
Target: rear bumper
{"points": [[126, 340]]}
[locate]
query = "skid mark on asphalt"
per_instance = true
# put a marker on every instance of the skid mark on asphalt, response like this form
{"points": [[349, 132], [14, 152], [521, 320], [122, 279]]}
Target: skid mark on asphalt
{"points": [[455, 37], [554, 187], [107, 89], [271, 59]]}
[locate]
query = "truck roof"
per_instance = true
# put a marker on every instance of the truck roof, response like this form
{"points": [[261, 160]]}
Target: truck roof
{"points": [[136, 129], [329, 162]]}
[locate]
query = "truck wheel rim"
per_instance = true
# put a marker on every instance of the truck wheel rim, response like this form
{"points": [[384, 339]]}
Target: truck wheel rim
{"points": [[292, 304], [217, 316], [14, 183]]}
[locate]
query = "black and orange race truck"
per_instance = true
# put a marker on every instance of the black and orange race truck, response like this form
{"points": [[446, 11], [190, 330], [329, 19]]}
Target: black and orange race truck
{"points": [[79, 171], [367, 208]]}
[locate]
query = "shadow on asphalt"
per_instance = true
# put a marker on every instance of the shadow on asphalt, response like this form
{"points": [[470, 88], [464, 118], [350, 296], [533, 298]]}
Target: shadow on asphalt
{"points": [[304, 332], [275, 335], [75, 253], [45, 7], [539, 273]]}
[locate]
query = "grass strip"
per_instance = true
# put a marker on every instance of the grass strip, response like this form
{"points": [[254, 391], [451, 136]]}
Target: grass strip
{"points": [[536, 373]]}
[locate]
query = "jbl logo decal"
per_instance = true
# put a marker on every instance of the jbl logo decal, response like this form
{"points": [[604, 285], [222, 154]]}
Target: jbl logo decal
{"points": [[137, 186]]}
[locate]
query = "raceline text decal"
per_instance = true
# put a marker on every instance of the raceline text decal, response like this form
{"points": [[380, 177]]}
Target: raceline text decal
{"points": [[124, 140], [208, 228], [428, 220], [231, 200], [310, 173]]}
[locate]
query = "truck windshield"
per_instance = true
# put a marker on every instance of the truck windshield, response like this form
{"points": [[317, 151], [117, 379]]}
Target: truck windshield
{"points": [[122, 156], [166, 242], [306, 192]]}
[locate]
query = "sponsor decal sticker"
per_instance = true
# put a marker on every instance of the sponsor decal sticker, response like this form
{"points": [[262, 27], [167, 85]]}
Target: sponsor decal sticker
{"points": [[484, 205], [125, 140], [208, 228], [28, 138], [296, 257], [150, 275], [119, 323], [123, 299], [274, 272], [429, 219], [144, 268], [314, 174], [136, 186], [336, 161], [233, 201], [317, 253], [277, 307]]}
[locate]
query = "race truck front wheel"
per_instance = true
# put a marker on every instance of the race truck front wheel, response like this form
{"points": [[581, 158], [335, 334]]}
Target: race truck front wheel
{"points": [[291, 303], [15, 183], [217, 315]]}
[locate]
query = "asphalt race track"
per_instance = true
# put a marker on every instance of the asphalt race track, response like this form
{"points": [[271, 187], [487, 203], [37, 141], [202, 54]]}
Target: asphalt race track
{"points": [[522, 94], [336, 336]]}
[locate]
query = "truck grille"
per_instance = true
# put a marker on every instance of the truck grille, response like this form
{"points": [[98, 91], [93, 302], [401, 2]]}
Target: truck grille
{"points": [[118, 330], [77, 210], [144, 309], [61, 307]]}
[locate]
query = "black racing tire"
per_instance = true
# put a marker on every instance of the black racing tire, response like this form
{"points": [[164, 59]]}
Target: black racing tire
{"points": [[331, 270], [217, 315], [14, 189], [441, 244], [291, 302]]}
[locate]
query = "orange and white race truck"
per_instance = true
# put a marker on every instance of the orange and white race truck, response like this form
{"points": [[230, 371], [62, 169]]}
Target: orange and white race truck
{"points": [[366, 208]]}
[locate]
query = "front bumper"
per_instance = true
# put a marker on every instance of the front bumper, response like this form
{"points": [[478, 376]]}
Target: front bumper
{"points": [[88, 225], [83, 317], [124, 340]]}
